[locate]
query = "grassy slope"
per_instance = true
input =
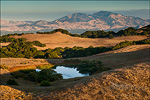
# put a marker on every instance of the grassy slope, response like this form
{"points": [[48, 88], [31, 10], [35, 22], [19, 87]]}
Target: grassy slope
{"points": [[131, 54], [122, 57], [8, 93], [95, 86], [62, 40], [129, 83]]}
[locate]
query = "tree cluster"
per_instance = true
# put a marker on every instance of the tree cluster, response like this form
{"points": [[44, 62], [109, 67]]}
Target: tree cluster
{"points": [[102, 34], [86, 67], [128, 43], [98, 34], [39, 44], [19, 48], [91, 67], [44, 75], [82, 52]]}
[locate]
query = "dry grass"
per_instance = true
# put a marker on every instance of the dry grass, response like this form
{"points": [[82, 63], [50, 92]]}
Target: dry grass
{"points": [[13, 62], [62, 40], [122, 57], [129, 83], [4, 44], [9, 93]]}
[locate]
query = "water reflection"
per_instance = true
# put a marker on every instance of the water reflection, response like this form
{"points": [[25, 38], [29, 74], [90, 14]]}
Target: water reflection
{"points": [[37, 70], [67, 72]]}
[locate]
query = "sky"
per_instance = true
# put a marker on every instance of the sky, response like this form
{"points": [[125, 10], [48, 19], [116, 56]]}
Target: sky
{"points": [[52, 10]]}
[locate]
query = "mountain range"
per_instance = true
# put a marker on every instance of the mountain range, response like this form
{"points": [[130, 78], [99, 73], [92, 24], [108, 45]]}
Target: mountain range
{"points": [[77, 23]]}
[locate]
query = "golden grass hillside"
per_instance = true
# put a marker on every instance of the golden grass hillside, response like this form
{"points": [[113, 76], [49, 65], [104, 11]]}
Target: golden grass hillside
{"points": [[121, 57], [9, 93], [62, 40], [129, 83]]}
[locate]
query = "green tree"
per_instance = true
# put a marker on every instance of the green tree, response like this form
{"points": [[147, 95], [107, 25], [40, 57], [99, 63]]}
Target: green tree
{"points": [[111, 36]]}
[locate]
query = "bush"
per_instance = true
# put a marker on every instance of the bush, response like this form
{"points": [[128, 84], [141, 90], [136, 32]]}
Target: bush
{"points": [[111, 36], [49, 75], [91, 67], [3, 67], [45, 83], [37, 43], [11, 82], [31, 75]]}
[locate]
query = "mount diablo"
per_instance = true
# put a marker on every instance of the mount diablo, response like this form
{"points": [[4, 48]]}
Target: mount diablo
{"points": [[78, 22]]}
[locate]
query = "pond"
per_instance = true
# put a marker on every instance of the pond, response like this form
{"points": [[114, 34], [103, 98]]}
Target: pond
{"points": [[67, 72]]}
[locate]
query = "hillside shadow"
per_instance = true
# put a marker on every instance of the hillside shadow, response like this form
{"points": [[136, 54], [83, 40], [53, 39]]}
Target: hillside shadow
{"points": [[34, 87]]}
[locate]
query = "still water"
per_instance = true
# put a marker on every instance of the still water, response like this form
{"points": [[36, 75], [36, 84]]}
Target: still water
{"points": [[67, 72]]}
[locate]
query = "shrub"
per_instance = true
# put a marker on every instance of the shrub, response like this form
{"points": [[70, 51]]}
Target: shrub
{"points": [[45, 83], [145, 41], [91, 67], [27, 71], [49, 75], [3, 67], [37, 43], [11, 82], [33, 76], [111, 36]]}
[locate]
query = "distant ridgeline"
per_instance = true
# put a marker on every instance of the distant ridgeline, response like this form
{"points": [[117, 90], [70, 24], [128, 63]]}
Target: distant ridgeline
{"points": [[20, 48], [102, 34], [99, 33]]}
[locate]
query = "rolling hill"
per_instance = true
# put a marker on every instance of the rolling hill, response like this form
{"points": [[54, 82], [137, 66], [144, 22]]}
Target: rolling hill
{"points": [[129, 82], [128, 78], [62, 40]]}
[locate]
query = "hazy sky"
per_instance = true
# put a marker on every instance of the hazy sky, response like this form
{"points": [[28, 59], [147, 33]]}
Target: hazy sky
{"points": [[51, 10]]}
